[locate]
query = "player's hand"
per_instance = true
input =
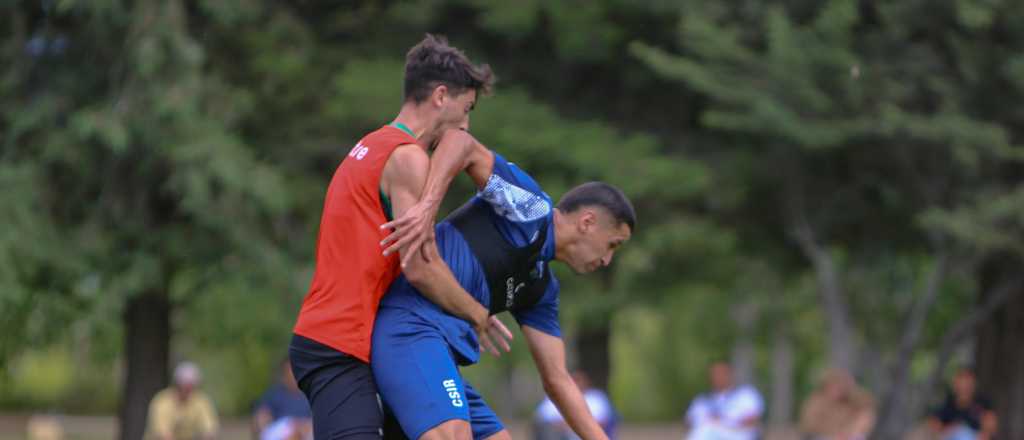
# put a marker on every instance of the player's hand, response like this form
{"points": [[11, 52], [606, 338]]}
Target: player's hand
{"points": [[413, 230], [492, 334]]}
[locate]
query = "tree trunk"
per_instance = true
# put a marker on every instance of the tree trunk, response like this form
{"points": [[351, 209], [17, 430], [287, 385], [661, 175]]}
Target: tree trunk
{"points": [[745, 316], [147, 336], [781, 407], [595, 359], [833, 297], [892, 416], [999, 354]]}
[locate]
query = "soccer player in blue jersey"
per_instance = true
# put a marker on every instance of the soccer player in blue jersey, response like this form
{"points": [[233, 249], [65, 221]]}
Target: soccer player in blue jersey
{"points": [[498, 245]]}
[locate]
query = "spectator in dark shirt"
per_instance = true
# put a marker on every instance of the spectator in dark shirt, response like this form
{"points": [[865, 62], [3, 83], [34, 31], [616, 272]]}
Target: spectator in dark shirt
{"points": [[964, 415], [283, 411]]}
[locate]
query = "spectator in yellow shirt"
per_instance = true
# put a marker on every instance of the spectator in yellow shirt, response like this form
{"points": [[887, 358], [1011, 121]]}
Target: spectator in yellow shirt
{"points": [[181, 411]]}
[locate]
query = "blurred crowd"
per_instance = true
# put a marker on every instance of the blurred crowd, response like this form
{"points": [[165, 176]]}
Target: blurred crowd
{"points": [[838, 409]]}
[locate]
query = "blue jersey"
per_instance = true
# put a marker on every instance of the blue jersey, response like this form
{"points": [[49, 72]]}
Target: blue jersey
{"points": [[520, 209]]}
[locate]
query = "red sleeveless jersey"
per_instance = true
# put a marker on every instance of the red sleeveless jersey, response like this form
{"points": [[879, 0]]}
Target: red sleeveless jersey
{"points": [[351, 272]]}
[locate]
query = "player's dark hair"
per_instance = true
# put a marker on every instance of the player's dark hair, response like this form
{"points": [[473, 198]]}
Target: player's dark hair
{"points": [[602, 195], [433, 62]]}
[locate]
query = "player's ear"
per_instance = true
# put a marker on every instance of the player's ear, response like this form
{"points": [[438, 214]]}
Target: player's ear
{"points": [[588, 219], [439, 95]]}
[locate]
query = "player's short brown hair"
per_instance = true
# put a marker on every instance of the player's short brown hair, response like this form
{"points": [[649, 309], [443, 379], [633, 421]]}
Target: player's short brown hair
{"points": [[433, 62], [603, 195]]}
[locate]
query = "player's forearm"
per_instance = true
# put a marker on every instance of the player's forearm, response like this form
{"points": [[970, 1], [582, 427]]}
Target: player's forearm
{"points": [[570, 403], [450, 158], [437, 283]]}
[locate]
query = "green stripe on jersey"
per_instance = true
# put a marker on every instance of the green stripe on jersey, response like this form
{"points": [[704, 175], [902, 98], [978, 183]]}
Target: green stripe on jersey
{"points": [[402, 127]]}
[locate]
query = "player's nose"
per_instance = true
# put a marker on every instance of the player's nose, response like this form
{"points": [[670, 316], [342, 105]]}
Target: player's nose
{"points": [[607, 259]]}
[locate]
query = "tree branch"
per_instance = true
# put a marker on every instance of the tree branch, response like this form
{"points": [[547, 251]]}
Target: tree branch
{"points": [[890, 416]]}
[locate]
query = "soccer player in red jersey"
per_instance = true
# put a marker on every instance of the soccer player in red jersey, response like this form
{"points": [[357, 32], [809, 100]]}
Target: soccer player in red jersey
{"points": [[381, 178]]}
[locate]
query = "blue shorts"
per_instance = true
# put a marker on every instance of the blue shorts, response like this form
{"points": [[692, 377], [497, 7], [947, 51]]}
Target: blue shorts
{"points": [[418, 379]]}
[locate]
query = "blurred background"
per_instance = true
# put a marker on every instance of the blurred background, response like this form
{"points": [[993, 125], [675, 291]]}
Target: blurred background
{"points": [[819, 184]]}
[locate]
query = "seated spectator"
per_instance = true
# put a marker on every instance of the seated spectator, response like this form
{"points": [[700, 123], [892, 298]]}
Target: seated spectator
{"points": [[182, 411], [283, 412], [549, 424], [44, 427], [838, 409], [728, 412], [964, 415]]}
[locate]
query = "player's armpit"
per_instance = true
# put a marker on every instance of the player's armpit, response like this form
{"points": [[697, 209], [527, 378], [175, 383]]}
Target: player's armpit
{"points": [[549, 356]]}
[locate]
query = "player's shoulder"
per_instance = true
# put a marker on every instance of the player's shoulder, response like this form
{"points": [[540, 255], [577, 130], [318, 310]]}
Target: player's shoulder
{"points": [[553, 282], [410, 150], [387, 134], [521, 178], [409, 155]]}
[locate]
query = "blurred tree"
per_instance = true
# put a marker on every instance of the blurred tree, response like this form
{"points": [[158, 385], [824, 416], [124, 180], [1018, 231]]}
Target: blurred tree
{"points": [[164, 165], [132, 177], [867, 130]]}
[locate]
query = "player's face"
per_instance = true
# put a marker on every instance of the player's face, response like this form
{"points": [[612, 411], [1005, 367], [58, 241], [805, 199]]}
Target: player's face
{"points": [[455, 110], [600, 237]]}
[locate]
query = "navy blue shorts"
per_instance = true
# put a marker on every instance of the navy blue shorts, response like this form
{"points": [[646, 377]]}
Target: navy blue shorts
{"points": [[419, 380], [341, 391]]}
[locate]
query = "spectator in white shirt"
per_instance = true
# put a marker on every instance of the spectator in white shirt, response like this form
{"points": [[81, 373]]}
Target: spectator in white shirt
{"points": [[728, 412]]}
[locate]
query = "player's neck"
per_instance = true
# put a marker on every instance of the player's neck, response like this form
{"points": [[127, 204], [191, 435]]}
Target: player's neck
{"points": [[416, 119], [563, 235]]}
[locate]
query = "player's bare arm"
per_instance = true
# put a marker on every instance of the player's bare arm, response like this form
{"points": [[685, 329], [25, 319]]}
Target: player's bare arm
{"points": [[456, 151], [402, 178], [549, 356]]}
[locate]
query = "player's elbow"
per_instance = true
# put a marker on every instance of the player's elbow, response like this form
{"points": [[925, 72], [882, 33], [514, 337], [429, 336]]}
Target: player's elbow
{"points": [[417, 272], [555, 382], [456, 140]]}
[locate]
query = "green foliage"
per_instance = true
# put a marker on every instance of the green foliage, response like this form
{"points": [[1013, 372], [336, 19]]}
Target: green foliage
{"points": [[186, 147]]}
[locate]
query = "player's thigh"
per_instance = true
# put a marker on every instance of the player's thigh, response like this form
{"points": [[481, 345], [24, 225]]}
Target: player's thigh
{"points": [[419, 381], [450, 430]]}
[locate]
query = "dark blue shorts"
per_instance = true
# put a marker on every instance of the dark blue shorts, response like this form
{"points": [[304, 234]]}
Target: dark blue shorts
{"points": [[419, 380], [341, 391]]}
